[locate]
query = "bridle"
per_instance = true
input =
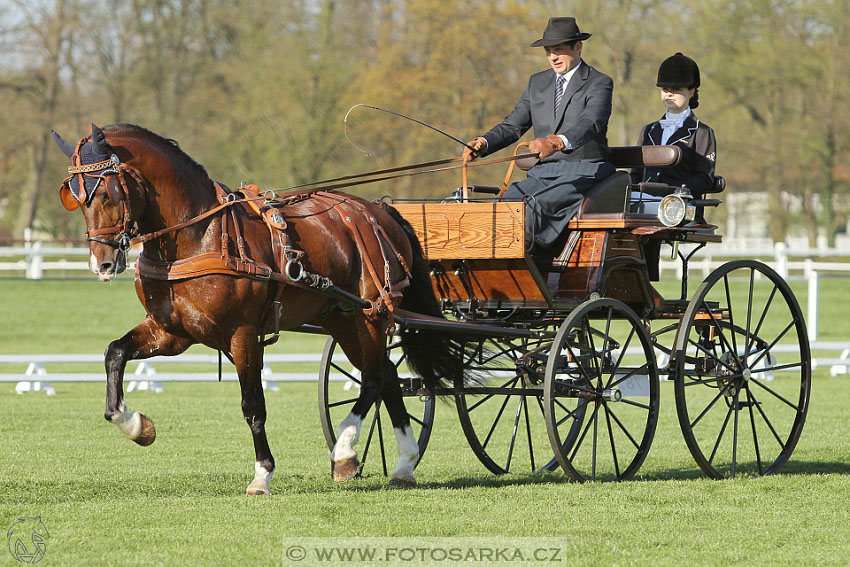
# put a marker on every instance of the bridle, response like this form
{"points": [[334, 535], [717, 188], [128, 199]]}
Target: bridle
{"points": [[114, 175]]}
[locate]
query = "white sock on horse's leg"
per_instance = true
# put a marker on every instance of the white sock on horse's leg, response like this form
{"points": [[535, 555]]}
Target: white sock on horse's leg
{"points": [[408, 456], [262, 478], [347, 437]]}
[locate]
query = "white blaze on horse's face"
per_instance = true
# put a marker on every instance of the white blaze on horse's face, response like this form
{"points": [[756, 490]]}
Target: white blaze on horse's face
{"points": [[105, 261]]}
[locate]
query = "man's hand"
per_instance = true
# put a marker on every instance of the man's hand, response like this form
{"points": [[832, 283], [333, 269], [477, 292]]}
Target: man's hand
{"points": [[478, 146], [547, 146]]}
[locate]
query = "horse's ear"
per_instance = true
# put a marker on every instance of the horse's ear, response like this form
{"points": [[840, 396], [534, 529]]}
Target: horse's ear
{"points": [[66, 147], [99, 144]]}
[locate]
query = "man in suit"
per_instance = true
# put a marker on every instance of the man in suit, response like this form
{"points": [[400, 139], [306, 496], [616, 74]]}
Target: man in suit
{"points": [[568, 107]]}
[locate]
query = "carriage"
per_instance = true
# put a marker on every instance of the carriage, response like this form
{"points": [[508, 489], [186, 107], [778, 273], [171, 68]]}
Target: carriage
{"points": [[551, 362], [575, 348]]}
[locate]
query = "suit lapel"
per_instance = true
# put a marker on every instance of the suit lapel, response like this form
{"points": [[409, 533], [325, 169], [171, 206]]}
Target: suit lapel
{"points": [[686, 131], [577, 82]]}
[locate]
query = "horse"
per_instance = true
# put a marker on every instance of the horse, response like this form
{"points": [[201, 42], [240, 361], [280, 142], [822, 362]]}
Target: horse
{"points": [[208, 274]]}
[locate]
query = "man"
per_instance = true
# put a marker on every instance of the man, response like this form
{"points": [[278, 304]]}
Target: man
{"points": [[570, 130]]}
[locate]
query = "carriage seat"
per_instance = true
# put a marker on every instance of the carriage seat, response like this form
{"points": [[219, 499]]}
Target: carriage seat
{"points": [[611, 195]]}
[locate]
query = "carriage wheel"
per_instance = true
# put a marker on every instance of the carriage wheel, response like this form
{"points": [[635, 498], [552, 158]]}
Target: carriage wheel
{"points": [[339, 386], [742, 371], [601, 392], [502, 417]]}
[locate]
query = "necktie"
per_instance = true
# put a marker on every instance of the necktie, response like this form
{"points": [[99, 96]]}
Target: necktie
{"points": [[559, 93]]}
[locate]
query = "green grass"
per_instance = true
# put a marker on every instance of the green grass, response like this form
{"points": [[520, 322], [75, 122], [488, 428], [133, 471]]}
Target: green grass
{"points": [[180, 501]]}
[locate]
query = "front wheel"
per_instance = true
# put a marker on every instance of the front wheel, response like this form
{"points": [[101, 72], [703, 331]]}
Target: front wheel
{"points": [[742, 369], [601, 393]]}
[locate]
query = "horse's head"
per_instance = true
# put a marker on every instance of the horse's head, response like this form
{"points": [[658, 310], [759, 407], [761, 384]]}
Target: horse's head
{"points": [[111, 196]]}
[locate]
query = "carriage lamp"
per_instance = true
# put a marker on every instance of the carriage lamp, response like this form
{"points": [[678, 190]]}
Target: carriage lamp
{"points": [[676, 208]]}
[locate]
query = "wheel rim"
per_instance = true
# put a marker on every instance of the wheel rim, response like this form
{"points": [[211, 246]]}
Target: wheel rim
{"points": [[339, 385], [742, 372], [502, 417], [601, 392]]}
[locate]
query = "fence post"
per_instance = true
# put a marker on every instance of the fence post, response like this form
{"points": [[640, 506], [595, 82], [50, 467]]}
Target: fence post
{"points": [[34, 259], [780, 254], [812, 315]]}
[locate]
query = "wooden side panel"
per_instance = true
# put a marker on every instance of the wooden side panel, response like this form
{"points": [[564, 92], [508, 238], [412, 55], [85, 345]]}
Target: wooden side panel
{"points": [[485, 280], [581, 273], [623, 244], [460, 231]]}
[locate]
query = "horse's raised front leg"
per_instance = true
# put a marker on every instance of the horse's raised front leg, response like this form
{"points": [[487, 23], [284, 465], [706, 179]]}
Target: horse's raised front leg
{"points": [[248, 358], [146, 339]]}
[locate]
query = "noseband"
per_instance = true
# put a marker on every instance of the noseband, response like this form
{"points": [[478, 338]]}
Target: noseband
{"points": [[113, 173]]}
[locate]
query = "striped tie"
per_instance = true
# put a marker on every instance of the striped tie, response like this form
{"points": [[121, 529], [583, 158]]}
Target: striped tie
{"points": [[559, 93]]}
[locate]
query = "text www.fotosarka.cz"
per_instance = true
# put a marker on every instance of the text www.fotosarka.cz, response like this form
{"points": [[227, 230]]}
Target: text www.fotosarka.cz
{"points": [[353, 551]]}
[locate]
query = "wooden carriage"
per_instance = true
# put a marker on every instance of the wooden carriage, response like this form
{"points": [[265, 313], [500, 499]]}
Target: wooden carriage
{"points": [[575, 346]]}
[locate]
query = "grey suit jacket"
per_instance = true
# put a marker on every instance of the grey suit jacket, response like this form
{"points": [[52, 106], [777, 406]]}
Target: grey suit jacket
{"points": [[583, 119]]}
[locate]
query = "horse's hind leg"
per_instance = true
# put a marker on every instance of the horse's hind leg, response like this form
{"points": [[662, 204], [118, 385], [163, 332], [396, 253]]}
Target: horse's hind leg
{"points": [[248, 358], [408, 448], [146, 339]]}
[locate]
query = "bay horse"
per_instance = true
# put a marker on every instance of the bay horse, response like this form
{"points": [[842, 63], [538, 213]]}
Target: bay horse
{"points": [[208, 274]]}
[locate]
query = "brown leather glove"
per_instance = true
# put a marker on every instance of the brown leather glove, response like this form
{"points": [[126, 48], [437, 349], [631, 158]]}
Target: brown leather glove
{"points": [[547, 146], [478, 145]]}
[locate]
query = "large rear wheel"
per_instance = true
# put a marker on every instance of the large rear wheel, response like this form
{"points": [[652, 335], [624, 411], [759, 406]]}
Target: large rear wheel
{"points": [[742, 371]]}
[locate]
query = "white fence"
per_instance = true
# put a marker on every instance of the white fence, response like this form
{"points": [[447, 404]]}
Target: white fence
{"points": [[145, 376]]}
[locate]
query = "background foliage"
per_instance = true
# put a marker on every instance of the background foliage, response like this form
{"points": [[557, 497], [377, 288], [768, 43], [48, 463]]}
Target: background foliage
{"points": [[257, 89]]}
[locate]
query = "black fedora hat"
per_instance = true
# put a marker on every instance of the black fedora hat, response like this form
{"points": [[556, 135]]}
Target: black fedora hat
{"points": [[560, 30]]}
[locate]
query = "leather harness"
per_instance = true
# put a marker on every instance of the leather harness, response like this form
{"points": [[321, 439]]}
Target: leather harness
{"points": [[287, 270]]}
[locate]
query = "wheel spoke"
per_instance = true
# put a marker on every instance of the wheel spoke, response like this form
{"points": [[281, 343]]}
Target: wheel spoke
{"points": [[736, 407], [342, 403], [623, 350], [767, 421], [750, 402], [511, 382], [761, 384], [773, 344], [528, 432], [345, 372], [634, 403], [749, 314], [716, 324], [622, 427], [731, 317], [764, 311], [720, 435], [720, 394], [627, 376], [496, 421], [611, 439], [584, 433], [712, 355]]}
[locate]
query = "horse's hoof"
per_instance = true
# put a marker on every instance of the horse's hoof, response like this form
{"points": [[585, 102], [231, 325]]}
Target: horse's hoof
{"points": [[148, 434], [257, 491], [402, 482], [345, 470]]}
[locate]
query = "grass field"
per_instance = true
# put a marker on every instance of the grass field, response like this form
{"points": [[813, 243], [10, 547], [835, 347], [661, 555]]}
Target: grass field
{"points": [[106, 501]]}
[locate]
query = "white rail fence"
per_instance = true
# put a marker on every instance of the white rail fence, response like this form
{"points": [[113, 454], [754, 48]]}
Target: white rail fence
{"points": [[145, 376], [33, 259]]}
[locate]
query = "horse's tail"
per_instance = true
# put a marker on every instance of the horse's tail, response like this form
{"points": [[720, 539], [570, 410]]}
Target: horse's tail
{"points": [[433, 355]]}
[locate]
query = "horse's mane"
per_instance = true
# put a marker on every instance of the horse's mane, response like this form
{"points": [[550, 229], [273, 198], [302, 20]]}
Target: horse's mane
{"points": [[133, 129]]}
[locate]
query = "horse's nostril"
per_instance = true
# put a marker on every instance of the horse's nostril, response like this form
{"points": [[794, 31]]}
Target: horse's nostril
{"points": [[105, 266]]}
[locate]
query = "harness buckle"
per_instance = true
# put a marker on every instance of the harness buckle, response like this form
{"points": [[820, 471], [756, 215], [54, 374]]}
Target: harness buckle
{"points": [[123, 242]]}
